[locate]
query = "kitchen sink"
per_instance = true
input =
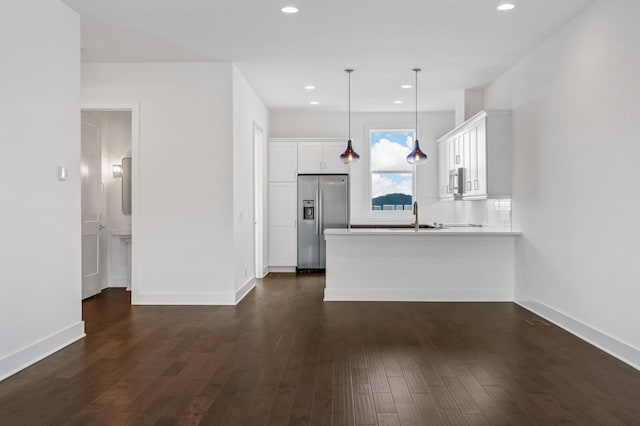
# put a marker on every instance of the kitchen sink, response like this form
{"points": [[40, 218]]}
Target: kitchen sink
{"points": [[400, 227]]}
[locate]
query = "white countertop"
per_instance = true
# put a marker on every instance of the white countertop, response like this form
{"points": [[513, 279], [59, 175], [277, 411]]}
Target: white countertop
{"points": [[411, 233]]}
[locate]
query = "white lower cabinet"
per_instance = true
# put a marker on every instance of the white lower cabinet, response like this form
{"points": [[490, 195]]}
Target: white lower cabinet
{"points": [[283, 238]]}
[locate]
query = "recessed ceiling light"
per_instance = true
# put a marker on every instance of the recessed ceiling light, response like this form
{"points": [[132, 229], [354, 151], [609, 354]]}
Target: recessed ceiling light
{"points": [[397, 102], [289, 9], [506, 6], [314, 103], [310, 87], [406, 86]]}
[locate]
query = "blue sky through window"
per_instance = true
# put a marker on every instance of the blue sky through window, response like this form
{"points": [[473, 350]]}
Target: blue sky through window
{"points": [[390, 171], [391, 183]]}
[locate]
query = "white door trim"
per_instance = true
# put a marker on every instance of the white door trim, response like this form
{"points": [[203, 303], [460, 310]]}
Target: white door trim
{"points": [[258, 200], [134, 108]]}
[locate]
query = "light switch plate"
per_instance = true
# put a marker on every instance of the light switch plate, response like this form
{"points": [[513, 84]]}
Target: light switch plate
{"points": [[63, 173]]}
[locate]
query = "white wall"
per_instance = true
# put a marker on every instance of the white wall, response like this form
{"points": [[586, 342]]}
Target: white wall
{"points": [[576, 143], [247, 110], [185, 205], [432, 125], [40, 292]]}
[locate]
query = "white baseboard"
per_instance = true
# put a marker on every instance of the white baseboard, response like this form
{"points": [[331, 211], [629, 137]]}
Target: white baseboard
{"points": [[282, 269], [118, 281], [245, 289], [624, 352], [175, 298], [414, 295], [265, 271], [23, 358], [193, 298]]}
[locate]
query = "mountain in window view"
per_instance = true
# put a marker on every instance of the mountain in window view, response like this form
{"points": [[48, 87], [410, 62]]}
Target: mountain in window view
{"points": [[392, 199]]}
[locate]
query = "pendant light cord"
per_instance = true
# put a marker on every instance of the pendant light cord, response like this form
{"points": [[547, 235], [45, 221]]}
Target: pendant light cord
{"points": [[416, 70], [349, 71]]}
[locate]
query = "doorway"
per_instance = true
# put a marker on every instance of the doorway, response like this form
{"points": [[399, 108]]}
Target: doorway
{"points": [[107, 166], [258, 202]]}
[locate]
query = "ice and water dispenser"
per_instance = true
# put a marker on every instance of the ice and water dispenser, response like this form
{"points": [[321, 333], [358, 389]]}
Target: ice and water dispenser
{"points": [[308, 212]]}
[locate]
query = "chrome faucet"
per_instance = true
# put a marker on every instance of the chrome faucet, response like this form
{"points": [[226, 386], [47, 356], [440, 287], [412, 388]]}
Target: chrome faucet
{"points": [[415, 212]]}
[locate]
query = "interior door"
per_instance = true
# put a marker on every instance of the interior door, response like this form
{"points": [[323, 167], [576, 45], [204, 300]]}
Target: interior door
{"points": [[91, 208], [333, 199]]}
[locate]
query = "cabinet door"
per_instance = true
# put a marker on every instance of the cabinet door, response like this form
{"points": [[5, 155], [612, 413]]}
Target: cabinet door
{"points": [[283, 238], [331, 157], [482, 158], [473, 161], [283, 161], [443, 169], [466, 162], [310, 157], [451, 154], [457, 148]]}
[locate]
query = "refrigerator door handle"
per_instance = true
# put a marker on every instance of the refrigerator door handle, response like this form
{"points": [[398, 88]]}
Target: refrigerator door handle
{"points": [[320, 219], [317, 214]]}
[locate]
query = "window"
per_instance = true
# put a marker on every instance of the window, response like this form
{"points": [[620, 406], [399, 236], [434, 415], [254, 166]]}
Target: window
{"points": [[391, 175]]}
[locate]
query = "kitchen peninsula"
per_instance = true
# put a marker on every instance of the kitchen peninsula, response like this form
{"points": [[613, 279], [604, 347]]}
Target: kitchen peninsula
{"points": [[452, 265]]}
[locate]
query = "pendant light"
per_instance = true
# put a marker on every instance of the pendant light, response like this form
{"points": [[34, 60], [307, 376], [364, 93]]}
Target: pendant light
{"points": [[416, 156], [349, 155]]}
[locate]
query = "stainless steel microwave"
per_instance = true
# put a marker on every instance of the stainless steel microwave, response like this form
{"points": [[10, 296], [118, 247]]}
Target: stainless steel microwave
{"points": [[456, 182]]}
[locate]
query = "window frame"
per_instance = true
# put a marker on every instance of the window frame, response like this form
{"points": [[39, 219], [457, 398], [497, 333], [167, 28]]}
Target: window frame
{"points": [[387, 214]]}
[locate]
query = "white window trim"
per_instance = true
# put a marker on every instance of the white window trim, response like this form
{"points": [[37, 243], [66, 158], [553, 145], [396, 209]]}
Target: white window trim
{"points": [[385, 215]]}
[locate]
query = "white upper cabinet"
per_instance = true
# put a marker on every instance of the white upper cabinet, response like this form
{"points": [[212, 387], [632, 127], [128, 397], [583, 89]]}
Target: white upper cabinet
{"points": [[475, 159], [283, 161], [310, 157], [321, 157], [331, 155], [444, 191]]}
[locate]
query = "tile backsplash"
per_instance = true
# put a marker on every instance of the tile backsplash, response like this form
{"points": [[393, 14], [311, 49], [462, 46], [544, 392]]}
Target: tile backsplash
{"points": [[495, 214], [490, 213]]}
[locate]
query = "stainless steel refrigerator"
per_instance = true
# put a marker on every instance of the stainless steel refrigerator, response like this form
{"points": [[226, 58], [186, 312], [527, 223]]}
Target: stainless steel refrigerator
{"points": [[323, 202]]}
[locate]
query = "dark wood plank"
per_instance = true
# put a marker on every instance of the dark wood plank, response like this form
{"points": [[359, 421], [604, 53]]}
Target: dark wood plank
{"points": [[284, 357], [384, 402]]}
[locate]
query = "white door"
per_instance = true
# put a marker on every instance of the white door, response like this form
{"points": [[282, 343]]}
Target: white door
{"points": [[90, 182]]}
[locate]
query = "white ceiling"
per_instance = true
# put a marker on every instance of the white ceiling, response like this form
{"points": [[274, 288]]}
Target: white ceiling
{"points": [[458, 43]]}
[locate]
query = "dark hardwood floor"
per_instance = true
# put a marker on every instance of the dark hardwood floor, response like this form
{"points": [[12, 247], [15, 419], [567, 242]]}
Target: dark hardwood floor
{"points": [[282, 356]]}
